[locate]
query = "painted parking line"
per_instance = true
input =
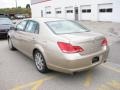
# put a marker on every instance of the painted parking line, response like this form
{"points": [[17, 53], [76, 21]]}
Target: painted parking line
{"points": [[111, 85], [87, 83], [88, 79], [34, 85], [37, 85], [111, 68]]}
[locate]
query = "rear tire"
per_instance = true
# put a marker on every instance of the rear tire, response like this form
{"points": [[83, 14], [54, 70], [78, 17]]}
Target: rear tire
{"points": [[40, 62]]}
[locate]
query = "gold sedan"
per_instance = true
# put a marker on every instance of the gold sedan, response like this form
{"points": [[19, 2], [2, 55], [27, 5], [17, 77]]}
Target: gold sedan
{"points": [[58, 44]]}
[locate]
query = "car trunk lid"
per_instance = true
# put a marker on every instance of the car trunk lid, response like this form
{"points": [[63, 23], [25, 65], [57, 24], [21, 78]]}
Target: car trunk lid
{"points": [[89, 41]]}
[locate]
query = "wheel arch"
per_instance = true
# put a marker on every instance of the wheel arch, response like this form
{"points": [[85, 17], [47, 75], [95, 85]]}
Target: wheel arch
{"points": [[39, 48]]}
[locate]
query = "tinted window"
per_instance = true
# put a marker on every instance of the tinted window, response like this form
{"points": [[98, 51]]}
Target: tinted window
{"points": [[21, 26], [32, 27], [65, 27]]}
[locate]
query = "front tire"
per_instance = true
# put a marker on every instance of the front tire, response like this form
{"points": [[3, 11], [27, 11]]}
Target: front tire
{"points": [[40, 62], [11, 47]]}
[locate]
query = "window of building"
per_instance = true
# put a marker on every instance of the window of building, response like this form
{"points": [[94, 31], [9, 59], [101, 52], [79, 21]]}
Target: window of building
{"points": [[84, 11], [48, 12], [109, 10], [88, 10], [105, 10], [58, 12], [69, 11], [102, 10]]}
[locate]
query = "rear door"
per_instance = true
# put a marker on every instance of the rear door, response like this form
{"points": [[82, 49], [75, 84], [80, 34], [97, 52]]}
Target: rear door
{"points": [[29, 37]]}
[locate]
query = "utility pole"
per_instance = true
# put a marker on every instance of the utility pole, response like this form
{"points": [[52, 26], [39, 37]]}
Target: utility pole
{"points": [[16, 3]]}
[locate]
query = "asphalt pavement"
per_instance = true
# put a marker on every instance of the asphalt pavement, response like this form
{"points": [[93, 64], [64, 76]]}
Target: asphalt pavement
{"points": [[114, 55], [18, 72]]}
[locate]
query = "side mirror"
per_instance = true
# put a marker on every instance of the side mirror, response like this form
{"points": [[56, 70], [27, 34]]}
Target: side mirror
{"points": [[14, 22]]}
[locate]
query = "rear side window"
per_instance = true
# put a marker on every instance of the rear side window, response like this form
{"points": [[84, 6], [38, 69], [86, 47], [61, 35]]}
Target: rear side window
{"points": [[32, 27], [21, 26]]}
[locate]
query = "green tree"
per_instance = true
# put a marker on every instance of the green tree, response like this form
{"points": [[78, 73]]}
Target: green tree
{"points": [[28, 6]]}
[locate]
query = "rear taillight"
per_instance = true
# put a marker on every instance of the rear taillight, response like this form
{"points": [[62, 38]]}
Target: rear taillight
{"points": [[68, 48], [104, 42]]}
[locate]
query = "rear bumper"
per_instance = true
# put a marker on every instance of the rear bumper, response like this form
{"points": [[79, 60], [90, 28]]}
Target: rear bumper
{"points": [[75, 63]]}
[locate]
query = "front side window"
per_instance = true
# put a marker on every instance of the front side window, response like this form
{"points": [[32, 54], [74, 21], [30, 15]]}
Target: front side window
{"points": [[21, 26], [65, 27], [31, 27]]}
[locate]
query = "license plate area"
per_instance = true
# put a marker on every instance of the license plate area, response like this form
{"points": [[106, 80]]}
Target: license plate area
{"points": [[95, 59]]}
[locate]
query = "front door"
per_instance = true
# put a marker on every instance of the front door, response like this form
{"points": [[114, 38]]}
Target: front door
{"points": [[17, 38]]}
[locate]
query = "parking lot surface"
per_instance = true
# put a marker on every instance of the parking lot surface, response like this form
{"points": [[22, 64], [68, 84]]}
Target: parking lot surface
{"points": [[110, 29], [18, 72]]}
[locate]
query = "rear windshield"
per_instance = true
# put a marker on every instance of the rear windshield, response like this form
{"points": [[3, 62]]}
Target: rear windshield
{"points": [[66, 27]]}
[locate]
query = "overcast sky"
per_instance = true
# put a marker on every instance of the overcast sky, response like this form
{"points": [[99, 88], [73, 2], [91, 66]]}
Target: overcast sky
{"points": [[11, 3]]}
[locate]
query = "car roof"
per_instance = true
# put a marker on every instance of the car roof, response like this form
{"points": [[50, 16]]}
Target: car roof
{"points": [[1, 16]]}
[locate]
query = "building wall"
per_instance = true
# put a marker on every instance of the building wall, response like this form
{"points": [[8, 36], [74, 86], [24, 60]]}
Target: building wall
{"points": [[66, 4], [116, 17]]}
